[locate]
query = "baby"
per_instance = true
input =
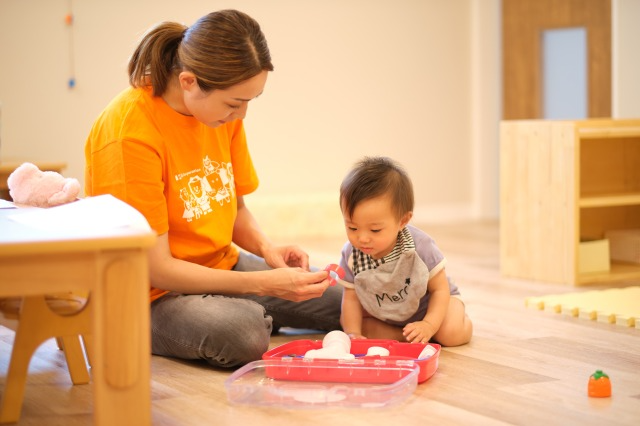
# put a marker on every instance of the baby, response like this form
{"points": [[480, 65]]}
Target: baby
{"points": [[400, 288]]}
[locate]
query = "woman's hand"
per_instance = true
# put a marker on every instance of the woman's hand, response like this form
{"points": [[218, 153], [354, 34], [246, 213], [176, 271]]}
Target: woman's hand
{"points": [[286, 256], [295, 284], [419, 331]]}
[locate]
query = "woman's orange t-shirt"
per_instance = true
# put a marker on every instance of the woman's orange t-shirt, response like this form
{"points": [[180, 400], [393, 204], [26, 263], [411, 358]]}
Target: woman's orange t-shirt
{"points": [[183, 176]]}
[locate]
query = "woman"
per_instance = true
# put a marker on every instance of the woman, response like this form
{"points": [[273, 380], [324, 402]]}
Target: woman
{"points": [[173, 146]]}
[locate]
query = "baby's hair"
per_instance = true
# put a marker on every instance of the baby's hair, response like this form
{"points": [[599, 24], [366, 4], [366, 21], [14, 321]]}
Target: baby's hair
{"points": [[222, 49], [372, 177]]}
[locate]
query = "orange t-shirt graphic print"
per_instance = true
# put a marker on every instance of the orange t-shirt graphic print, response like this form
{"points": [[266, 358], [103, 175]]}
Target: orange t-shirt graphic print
{"points": [[202, 193]]}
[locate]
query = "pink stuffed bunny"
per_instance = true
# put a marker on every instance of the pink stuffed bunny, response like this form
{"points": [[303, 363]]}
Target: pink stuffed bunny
{"points": [[30, 186]]}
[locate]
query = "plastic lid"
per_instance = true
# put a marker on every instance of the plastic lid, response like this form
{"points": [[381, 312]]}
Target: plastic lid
{"points": [[265, 383]]}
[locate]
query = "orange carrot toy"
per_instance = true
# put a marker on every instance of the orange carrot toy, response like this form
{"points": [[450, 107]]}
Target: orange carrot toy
{"points": [[599, 385]]}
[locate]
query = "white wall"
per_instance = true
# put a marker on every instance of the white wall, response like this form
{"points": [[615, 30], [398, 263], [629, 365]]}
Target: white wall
{"points": [[418, 80], [626, 58], [390, 77], [486, 107]]}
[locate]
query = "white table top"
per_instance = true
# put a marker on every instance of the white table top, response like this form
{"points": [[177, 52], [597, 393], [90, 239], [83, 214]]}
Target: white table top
{"points": [[31, 231]]}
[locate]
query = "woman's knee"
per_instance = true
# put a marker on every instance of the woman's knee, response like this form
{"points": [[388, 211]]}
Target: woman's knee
{"points": [[225, 332], [239, 339]]}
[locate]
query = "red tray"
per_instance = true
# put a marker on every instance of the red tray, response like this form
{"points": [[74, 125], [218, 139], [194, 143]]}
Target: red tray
{"points": [[364, 369]]}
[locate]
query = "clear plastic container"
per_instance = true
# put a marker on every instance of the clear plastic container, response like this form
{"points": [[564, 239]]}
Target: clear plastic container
{"points": [[253, 385], [285, 378]]}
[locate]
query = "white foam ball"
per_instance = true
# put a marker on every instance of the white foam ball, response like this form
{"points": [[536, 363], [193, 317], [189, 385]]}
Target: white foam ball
{"points": [[377, 350], [337, 339], [427, 352]]}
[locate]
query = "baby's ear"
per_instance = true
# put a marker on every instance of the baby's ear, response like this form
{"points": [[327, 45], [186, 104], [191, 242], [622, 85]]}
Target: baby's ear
{"points": [[406, 219]]}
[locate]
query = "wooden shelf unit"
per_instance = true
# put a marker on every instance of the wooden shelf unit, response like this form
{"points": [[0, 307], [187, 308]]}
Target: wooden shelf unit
{"points": [[560, 182]]}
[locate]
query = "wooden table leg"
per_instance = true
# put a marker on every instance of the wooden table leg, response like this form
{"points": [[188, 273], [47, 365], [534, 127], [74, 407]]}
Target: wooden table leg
{"points": [[121, 355]]}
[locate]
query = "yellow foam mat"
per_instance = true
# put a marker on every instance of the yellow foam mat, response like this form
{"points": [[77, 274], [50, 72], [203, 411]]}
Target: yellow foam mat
{"points": [[619, 306]]}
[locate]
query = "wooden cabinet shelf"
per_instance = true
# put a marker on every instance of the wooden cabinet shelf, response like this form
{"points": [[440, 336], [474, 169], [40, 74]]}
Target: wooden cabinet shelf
{"points": [[599, 132], [562, 182], [618, 272], [610, 200]]}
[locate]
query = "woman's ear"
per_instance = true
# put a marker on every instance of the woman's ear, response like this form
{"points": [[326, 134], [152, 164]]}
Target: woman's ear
{"points": [[188, 81]]}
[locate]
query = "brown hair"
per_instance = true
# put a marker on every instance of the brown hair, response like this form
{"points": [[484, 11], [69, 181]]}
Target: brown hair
{"points": [[372, 177], [222, 49]]}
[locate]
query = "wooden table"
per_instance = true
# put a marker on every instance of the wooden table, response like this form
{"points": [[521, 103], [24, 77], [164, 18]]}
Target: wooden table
{"points": [[112, 265], [7, 167]]}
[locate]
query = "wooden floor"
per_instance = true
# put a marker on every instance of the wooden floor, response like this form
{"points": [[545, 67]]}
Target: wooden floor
{"points": [[523, 366]]}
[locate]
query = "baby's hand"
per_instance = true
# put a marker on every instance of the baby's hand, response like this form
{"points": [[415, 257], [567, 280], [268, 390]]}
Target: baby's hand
{"points": [[355, 336], [418, 332]]}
